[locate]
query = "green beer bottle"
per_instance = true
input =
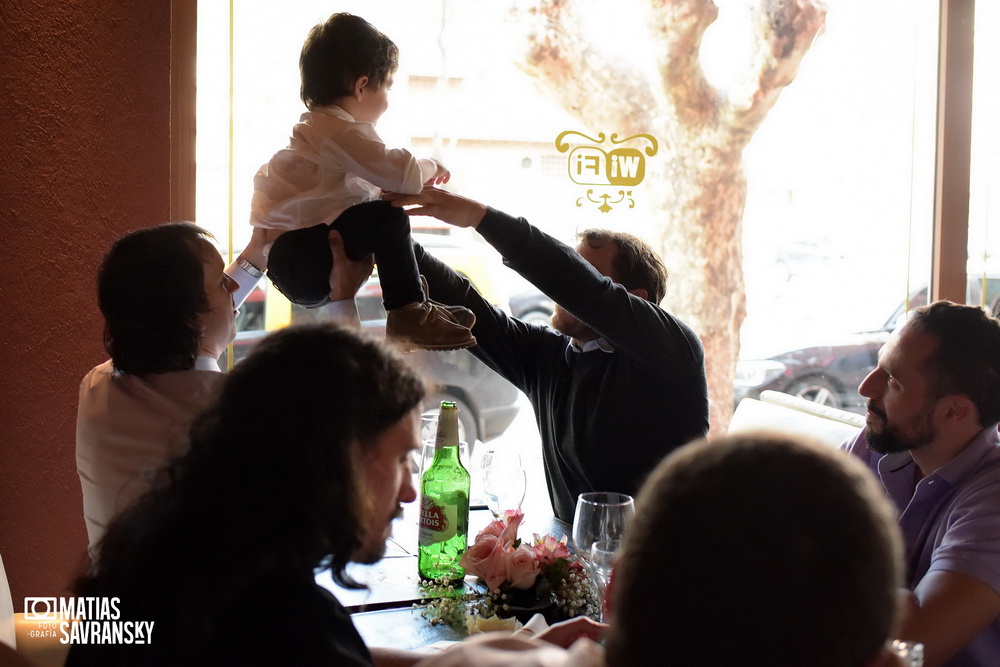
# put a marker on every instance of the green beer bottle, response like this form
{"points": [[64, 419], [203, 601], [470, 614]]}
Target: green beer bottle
{"points": [[444, 504]]}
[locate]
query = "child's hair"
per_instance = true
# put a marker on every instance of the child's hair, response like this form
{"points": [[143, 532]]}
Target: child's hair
{"points": [[339, 51]]}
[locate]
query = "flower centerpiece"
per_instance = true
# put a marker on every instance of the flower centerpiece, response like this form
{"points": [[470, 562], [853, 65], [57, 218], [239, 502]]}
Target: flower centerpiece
{"points": [[520, 579]]}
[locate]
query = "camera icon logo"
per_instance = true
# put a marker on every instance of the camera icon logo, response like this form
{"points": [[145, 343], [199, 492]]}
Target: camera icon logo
{"points": [[40, 609]]}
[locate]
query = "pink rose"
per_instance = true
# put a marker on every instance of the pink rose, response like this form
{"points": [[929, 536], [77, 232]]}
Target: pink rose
{"points": [[548, 549], [513, 518], [486, 559], [522, 569], [494, 529], [508, 515]]}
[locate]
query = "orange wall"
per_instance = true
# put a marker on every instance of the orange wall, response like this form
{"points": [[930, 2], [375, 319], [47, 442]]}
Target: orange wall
{"points": [[85, 136]]}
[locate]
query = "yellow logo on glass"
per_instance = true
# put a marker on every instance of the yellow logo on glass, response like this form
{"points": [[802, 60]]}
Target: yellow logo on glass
{"points": [[622, 167]]}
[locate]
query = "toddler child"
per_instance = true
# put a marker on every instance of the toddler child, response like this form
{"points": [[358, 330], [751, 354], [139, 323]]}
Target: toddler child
{"points": [[331, 176]]}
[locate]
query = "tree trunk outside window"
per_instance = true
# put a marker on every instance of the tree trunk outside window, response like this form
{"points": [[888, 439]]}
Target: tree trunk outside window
{"points": [[700, 185]]}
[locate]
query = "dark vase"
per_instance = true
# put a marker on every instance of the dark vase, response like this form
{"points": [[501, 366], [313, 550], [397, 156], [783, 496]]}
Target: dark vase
{"points": [[525, 604]]}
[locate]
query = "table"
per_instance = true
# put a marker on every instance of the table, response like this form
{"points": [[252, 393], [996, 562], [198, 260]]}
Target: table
{"points": [[393, 581], [384, 613], [403, 629]]}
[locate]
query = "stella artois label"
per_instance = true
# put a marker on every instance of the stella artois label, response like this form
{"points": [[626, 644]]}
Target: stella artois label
{"points": [[437, 522]]}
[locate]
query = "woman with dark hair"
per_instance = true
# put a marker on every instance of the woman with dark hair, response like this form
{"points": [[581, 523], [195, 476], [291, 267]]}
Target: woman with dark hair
{"points": [[165, 269], [169, 313], [307, 473]]}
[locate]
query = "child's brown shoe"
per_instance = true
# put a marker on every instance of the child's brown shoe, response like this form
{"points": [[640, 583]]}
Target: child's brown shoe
{"points": [[429, 325], [461, 314]]}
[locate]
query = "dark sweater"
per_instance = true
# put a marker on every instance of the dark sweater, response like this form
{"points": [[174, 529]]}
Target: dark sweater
{"points": [[605, 419]]}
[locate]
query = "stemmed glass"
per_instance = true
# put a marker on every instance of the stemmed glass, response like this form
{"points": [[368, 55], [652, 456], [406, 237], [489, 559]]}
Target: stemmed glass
{"points": [[504, 481], [423, 457], [598, 528], [602, 561]]}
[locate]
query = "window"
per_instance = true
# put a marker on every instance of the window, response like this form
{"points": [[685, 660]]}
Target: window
{"points": [[836, 229], [984, 200]]}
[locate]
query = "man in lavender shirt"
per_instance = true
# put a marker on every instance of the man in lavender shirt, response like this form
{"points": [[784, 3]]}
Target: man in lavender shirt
{"points": [[932, 440]]}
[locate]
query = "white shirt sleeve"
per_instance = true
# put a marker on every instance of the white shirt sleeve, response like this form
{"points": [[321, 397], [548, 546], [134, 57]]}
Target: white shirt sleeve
{"points": [[245, 281], [343, 312]]}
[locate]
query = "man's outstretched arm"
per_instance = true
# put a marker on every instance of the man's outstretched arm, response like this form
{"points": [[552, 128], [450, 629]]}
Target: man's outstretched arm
{"points": [[633, 325]]}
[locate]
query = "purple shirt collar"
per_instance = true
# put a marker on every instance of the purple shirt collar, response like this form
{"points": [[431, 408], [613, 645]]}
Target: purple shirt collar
{"points": [[897, 470]]}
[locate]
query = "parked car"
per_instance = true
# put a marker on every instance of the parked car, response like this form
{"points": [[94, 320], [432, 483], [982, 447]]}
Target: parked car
{"points": [[487, 402], [531, 306], [830, 371], [472, 258]]}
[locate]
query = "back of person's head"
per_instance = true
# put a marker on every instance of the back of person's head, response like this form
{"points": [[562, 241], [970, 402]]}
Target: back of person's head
{"points": [[271, 480], [636, 265], [967, 357], [151, 291], [756, 548], [336, 53]]}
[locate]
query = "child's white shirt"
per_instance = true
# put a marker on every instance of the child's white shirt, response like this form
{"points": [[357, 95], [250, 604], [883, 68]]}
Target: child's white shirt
{"points": [[332, 162]]}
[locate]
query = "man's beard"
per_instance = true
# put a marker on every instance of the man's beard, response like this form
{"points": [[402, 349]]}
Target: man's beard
{"points": [[891, 439], [368, 554], [568, 325], [371, 554]]}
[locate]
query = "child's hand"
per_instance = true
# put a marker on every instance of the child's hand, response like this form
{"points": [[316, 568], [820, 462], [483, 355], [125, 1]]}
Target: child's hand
{"points": [[440, 177], [566, 632]]}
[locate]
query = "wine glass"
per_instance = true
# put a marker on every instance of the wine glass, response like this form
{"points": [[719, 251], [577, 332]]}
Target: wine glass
{"points": [[423, 457], [598, 528], [504, 480], [427, 456], [428, 435], [602, 561]]}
